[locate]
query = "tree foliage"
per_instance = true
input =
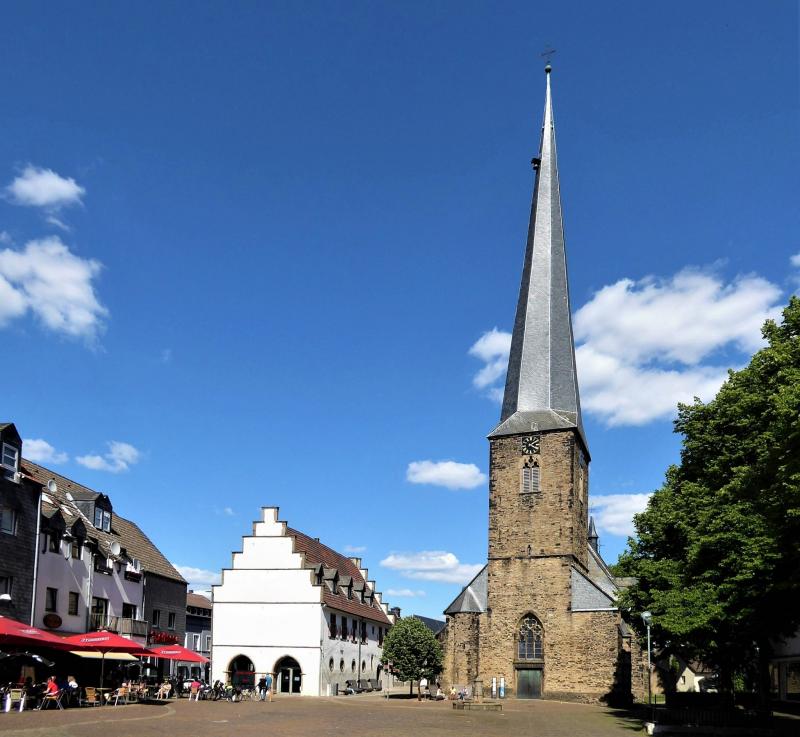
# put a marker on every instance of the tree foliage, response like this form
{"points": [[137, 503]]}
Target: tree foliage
{"points": [[413, 650], [717, 554]]}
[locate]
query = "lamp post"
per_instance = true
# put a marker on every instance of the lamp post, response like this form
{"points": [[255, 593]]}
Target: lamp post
{"points": [[647, 618]]}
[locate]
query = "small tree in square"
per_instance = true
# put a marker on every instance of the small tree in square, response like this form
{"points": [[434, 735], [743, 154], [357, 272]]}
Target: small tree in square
{"points": [[413, 651]]}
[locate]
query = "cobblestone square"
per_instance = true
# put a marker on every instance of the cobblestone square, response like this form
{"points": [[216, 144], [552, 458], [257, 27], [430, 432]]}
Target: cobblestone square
{"points": [[370, 716]]}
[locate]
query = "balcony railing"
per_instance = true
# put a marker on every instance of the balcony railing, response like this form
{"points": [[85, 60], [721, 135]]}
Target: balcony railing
{"points": [[120, 625]]}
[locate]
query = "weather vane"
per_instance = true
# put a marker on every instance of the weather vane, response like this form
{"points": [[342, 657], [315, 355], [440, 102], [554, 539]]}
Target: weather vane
{"points": [[547, 53]]}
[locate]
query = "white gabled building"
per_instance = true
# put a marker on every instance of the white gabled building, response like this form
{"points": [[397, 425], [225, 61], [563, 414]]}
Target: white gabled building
{"points": [[294, 607]]}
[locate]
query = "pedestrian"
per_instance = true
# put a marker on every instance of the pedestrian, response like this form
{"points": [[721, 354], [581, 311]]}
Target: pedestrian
{"points": [[268, 680], [262, 688]]}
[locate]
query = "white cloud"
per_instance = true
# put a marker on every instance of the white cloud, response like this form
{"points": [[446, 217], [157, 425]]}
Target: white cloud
{"points": [[450, 474], [614, 512], [39, 187], [40, 451], [198, 578], [60, 224], [54, 284], [432, 565], [228, 512], [492, 348], [795, 260], [354, 548], [5, 237], [643, 346], [405, 593], [120, 457]]}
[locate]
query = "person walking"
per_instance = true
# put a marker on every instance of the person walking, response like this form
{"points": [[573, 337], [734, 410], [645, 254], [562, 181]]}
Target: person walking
{"points": [[262, 688], [268, 681]]}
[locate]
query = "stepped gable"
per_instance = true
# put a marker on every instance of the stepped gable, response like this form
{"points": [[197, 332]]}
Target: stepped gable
{"points": [[318, 554]]}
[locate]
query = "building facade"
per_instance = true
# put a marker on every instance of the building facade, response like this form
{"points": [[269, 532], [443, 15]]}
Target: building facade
{"points": [[540, 619], [70, 564], [19, 518], [198, 634], [297, 609]]}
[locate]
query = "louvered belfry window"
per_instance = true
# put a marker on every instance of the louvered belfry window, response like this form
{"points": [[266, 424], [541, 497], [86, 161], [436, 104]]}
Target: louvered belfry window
{"points": [[531, 639], [530, 479]]}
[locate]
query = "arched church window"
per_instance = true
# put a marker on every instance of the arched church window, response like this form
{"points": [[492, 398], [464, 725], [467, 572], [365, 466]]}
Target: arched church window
{"points": [[531, 639], [530, 478]]}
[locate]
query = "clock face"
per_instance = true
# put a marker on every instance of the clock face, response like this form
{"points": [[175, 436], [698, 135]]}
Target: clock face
{"points": [[530, 445]]}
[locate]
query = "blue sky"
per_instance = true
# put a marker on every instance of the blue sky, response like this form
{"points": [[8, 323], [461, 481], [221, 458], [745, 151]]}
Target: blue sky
{"points": [[247, 249]]}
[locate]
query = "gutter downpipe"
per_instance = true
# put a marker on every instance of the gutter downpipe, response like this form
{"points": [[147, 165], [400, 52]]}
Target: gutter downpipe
{"points": [[36, 555]]}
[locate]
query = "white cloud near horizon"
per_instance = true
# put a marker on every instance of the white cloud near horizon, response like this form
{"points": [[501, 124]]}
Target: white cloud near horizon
{"points": [[432, 565], [613, 513], [644, 346], [120, 457], [198, 578], [39, 187], [795, 260], [405, 593], [450, 474], [40, 451], [354, 548], [50, 281]]}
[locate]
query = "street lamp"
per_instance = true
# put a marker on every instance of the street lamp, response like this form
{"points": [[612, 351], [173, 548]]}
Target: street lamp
{"points": [[647, 617]]}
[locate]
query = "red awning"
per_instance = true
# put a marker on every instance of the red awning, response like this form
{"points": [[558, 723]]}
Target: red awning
{"points": [[13, 632], [177, 652], [104, 642]]}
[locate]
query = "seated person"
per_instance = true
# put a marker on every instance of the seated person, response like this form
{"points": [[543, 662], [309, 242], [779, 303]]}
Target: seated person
{"points": [[453, 695], [439, 695], [52, 687], [348, 688], [72, 689]]}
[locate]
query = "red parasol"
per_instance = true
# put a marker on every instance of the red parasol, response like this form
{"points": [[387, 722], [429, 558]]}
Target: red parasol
{"points": [[13, 632], [177, 652], [105, 642]]}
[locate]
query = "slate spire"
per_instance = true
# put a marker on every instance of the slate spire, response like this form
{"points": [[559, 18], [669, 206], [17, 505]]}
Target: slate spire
{"points": [[593, 536], [541, 390]]}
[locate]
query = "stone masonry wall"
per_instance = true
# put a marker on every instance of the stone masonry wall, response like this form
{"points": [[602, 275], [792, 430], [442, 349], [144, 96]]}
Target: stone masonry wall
{"points": [[460, 649], [551, 522]]}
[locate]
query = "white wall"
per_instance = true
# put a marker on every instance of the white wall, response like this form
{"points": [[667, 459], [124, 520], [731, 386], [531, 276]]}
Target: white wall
{"points": [[65, 575], [267, 607]]}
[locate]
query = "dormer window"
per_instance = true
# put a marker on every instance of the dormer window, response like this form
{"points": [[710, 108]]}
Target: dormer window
{"points": [[10, 461], [102, 519]]}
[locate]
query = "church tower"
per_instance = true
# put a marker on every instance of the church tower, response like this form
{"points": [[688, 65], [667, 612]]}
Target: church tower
{"points": [[540, 618]]}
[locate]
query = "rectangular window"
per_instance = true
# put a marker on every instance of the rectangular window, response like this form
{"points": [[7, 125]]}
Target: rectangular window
{"points": [[195, 642], [344, 628], [128, 611], [107, 521], [76, 549], [8, 521], [99, 612], [171, 621], [54, 543], [98, 518], [10, 457], [156, 617], [530, 479], [208, 644], [51, 600], [74, 598], [363, 633], [332, 627], [5, 585]]}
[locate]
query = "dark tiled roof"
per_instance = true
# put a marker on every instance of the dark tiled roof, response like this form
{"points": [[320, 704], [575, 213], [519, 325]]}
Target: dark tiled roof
{"points": [[434, 625], [123, 531], [315, 554], [198, 600], [140, 546]]}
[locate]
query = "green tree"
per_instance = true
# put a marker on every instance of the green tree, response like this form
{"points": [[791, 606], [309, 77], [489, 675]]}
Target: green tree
{"points": [[413, 651], [717, 552]]}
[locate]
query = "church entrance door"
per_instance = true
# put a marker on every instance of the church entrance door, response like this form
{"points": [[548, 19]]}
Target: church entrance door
{"points": [[529, 683], [289, 676]]}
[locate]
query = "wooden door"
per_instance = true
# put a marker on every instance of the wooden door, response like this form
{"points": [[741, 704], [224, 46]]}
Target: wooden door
{"points": [[529, 683]]}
